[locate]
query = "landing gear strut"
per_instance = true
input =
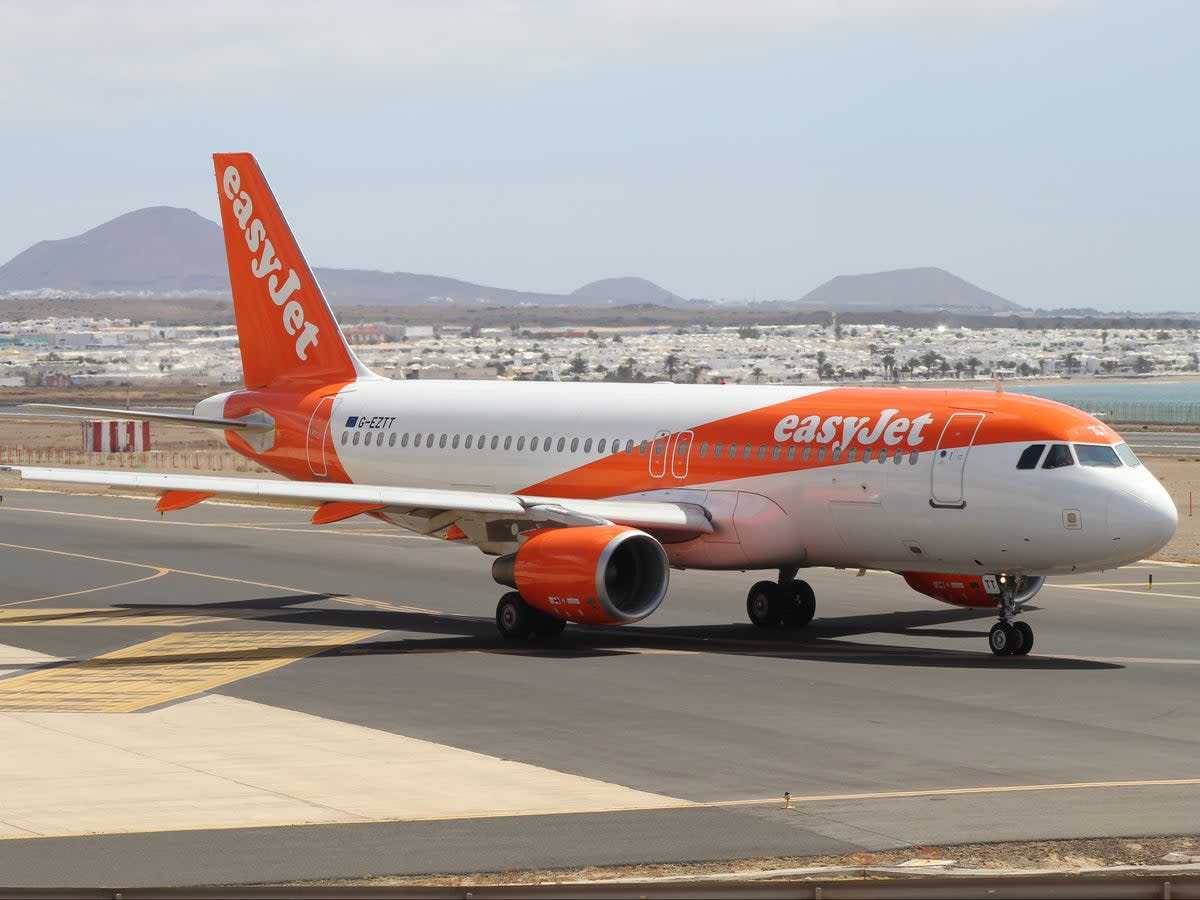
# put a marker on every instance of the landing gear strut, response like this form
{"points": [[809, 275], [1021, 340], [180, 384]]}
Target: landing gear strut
{"points": [[1009, 638], [788, 602], [516, 620]]}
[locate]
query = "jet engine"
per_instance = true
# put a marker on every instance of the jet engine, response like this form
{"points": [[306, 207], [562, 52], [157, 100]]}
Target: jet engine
{"points": [[593, 575], [969, 590]]}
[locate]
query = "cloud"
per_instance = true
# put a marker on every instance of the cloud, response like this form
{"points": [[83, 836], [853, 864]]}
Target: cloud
{"points": [[106, 59]]}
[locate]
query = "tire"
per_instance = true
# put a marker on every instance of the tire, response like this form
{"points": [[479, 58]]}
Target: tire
{"points": [[764, 604], [1026, 642], [515, 619], [1001, 639], [548, 626], [802, 605]]}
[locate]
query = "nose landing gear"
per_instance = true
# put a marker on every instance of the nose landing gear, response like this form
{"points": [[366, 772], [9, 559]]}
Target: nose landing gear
{"points": [[1008, 638]]}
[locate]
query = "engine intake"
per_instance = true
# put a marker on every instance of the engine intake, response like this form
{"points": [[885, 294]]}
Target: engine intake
{"points": [[968, 590], [594, 575]]}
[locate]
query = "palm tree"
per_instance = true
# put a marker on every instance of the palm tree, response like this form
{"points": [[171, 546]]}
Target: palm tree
{"points": [[973, 364], [820, 363], [670, 363]]}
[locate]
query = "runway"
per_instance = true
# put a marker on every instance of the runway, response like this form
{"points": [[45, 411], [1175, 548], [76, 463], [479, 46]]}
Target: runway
{"points": [[231, 695]]}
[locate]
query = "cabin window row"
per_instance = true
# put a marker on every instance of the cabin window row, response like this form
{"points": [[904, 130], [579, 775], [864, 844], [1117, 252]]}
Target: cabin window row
{"points": [[717, 450]]}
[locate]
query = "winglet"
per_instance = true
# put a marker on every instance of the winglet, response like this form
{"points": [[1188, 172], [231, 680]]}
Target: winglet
{"points": [[286, 331]]}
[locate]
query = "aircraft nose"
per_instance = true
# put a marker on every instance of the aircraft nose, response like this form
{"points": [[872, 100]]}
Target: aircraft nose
{"points": [[1144, 522]]}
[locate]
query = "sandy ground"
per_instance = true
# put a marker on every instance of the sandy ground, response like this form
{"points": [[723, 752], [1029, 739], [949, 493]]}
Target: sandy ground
{"points": [[191, 450]]}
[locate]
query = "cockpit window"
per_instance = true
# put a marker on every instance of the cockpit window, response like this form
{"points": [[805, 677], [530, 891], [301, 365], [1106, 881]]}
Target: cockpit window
{"points": [[1059, 456], [1101, 455], [1127, 455], [1030, 456]]}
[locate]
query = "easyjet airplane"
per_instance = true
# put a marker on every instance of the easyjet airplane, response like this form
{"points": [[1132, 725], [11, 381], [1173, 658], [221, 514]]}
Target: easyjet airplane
{"points": [[588, 494]]}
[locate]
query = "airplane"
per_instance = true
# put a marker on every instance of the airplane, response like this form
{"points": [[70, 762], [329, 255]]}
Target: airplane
{"points": [[586, 495]]}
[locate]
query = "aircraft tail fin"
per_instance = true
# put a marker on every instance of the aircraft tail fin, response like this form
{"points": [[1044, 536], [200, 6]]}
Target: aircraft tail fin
{"points": [[287, 332]]}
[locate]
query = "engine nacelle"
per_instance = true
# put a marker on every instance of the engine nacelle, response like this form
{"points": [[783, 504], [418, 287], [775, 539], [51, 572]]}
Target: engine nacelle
{"points": [[593, 575], [969, 590]]}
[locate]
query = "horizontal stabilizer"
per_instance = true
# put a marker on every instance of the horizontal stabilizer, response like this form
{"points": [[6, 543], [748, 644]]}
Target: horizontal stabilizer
{"points": [[254, 422]]}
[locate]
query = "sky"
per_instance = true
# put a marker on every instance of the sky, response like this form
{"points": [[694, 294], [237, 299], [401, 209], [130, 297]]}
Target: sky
{"points": [[1046, 150]]}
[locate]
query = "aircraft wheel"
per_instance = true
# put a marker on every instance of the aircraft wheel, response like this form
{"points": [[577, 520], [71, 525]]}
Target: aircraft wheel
{"points": [[1002, 639], [802, 604], [515, 619], [548, 626], [765, 604], [1026, 642]]}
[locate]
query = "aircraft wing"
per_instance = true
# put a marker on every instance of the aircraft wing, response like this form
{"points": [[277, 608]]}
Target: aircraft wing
{"points": [[426, 510]]}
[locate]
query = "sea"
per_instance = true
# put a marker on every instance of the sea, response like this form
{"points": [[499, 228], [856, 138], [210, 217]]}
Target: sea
{"points": [[1164, 401]]}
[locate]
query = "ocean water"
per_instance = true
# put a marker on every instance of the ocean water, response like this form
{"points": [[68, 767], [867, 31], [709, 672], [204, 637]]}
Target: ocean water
{"points": [[1130, 401]]}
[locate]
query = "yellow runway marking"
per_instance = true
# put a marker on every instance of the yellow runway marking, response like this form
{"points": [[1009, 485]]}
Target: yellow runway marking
{"points": [[378, 604], [159, 573], [164, 669], [963, 792], [301, 529], [121, 617]]}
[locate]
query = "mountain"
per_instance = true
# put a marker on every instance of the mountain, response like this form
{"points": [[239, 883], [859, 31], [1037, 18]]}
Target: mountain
{"points": [[157, 249], [913, 290], [619, 291], [163, 251]]}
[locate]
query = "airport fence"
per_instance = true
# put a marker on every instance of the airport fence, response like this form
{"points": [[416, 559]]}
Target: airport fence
{"points": [[149, 460], [1143, 412]]}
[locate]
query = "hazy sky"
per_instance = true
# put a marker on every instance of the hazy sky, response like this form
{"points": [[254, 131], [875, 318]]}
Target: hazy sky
{"points": [[1047, 150]]}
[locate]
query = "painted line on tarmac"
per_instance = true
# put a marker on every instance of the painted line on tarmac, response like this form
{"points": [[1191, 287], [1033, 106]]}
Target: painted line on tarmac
{"points": [[1144, 591], [159, 573], [165, 669], [229, 578], [308, 529]]}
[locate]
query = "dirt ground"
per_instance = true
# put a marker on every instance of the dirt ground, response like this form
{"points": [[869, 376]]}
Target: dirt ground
{"points": [[1028, 855]]}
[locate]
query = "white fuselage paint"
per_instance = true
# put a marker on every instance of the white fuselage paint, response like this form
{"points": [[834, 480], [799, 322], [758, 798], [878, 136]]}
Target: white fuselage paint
{"points": [[849, 514]]}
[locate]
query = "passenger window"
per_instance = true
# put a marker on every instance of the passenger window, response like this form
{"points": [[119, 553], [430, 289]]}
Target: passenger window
{"points": [[883, 454], [1030, 456], [776, 452], [806, 453], [658, 447], [717, 447], [404, 439], [791, 454], [470, 441], [600, 447], [747, 451], [482, 440], [417, 439], [733, 451], [820, 454], [508, 442], [521, 442], [392, 439], [644, 447], [1058, 456], [1100, 455], [587, 446], [913, 457], [454, 443], [356, 437], [442, 442], [429, 439], [852, 454], [867, 455], [547, 444], [562, 442], [703, 448], [574, 444], [345, 437], [897, 456], [836, 456], [681, 448], [495, 441], [629, 447], [533, 443]]}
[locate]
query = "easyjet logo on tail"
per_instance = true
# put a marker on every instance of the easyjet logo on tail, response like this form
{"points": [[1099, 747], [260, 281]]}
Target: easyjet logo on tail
{"points": [[267, 265], [890, 427]]}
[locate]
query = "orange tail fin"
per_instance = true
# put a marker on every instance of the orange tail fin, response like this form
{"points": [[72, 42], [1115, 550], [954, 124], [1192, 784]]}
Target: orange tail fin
{"points": [[286, 330]]}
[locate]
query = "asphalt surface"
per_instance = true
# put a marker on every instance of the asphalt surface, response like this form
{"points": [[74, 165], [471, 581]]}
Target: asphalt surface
{"points": [[888, 719]]}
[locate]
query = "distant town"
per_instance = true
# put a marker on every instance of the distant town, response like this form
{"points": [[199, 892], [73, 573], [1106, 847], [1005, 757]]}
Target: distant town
{"points": [[76, 351]]}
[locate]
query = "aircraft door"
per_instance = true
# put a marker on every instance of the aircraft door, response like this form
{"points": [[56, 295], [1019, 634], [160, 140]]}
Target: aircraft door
{"points": [[950, 458], [658, 454], [681, 454], [319, 441]]}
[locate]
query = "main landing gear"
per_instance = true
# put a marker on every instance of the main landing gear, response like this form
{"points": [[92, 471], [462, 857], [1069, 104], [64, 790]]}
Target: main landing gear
{"points": [[518, 621], [1009, 638], [788, 602]]}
